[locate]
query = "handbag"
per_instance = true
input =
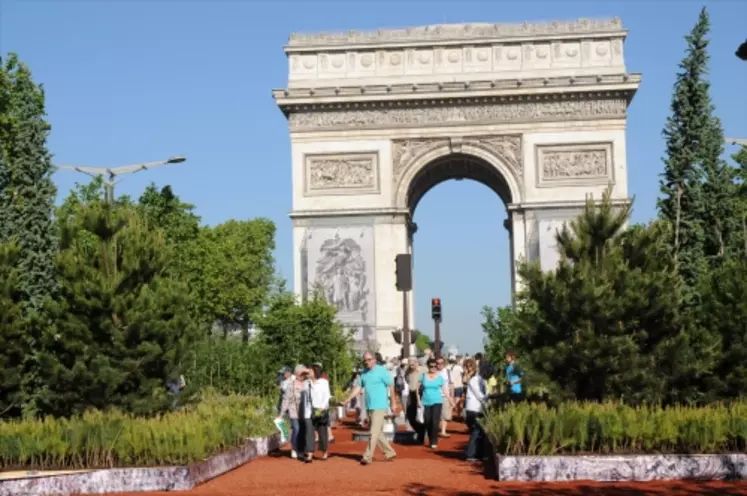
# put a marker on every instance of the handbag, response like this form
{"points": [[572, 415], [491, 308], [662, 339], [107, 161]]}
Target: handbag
{"points": [[420, 415]]}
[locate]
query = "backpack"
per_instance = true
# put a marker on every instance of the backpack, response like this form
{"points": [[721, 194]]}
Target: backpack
{"points": [[399, 382]]}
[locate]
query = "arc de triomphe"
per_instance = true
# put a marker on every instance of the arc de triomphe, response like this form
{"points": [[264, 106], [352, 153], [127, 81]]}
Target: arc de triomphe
{"points": [[536, 112]]}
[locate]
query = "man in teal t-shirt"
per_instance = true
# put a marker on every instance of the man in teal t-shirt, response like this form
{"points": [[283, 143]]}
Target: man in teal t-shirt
{"points": [[514, 374], [378, 386]]}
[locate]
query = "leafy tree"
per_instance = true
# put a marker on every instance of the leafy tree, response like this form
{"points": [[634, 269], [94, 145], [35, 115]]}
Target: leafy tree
{"points": [[166, 211], [501, 334], [231, 270], [12, 330], [689, 134], [305, 333], [606, 323], [122, 326], [422, 341]]}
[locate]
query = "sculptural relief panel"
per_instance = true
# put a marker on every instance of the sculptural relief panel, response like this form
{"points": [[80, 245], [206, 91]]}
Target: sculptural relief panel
{"points": [[574, 164], [339, 265], [341, 174]]}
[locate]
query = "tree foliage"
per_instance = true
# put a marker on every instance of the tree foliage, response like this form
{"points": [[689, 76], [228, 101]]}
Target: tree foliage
{"points": [[697, 185], [12, 329], [305, 333], [231, 271], [122, 327], [606, 323]]}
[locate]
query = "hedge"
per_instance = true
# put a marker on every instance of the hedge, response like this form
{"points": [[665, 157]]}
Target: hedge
{"points": [[614, 428], [99, 439]]}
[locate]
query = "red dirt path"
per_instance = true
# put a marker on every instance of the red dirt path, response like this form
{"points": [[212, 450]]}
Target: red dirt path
{"points": [[416, 471]]}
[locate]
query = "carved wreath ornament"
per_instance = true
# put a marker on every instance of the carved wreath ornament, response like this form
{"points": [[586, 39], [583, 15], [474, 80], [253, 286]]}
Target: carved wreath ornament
{"points": [[406, 152]]}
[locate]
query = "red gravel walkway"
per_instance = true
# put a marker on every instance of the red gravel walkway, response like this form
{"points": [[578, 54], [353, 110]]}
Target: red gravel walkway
{"points": [[416, 471]]}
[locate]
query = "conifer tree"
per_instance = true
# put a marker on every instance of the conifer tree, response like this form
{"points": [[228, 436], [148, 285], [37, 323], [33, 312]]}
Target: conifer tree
{"points": [[27, 192], [606, 323], [27, 196], [122, 325], [689, 134], [12, 329]]}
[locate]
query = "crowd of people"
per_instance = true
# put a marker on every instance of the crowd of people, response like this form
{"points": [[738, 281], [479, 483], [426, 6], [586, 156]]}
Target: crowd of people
{"points": [[428, 392]]}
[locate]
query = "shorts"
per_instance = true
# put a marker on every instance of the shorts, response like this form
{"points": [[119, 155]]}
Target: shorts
{"points": [[458, 392]]}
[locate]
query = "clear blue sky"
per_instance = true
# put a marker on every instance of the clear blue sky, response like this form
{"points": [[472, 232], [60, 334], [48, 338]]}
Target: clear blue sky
{"points": [[133, 81]]}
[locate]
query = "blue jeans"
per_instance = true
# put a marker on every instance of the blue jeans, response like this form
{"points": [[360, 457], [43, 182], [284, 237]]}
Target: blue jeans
{"points": [[295, 435], [476, 436]]}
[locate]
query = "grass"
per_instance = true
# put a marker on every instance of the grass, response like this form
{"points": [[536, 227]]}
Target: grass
{"points": [[99, 439], [614, 428]]}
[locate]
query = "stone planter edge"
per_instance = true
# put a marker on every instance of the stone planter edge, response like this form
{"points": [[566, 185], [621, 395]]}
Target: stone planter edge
{"points": [[615, 468], [142, 479]]}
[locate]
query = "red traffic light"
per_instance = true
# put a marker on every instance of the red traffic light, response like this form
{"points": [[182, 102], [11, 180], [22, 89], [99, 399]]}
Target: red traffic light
{"points": [[436, 301]]}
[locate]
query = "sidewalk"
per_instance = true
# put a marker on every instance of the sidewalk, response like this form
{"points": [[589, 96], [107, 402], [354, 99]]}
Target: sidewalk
{"points": [[416, 471]]}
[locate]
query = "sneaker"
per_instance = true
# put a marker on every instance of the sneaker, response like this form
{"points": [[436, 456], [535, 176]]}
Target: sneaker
{"points": [[433, 446], [366, 461], [294, 455], [472, 460]]}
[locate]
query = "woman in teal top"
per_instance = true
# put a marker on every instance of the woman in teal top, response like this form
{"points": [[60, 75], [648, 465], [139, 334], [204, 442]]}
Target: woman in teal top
{"points": [[433, 390]]}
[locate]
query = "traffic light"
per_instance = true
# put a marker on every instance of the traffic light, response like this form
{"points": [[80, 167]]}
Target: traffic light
{"points": [[403, 271], [436, 309]]}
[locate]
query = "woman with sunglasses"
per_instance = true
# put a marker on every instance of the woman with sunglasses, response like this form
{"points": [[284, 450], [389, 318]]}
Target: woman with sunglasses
{"points": [[433, 390]]}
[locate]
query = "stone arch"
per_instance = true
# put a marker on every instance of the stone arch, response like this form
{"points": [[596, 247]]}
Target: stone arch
{"points": [[494, 161]]}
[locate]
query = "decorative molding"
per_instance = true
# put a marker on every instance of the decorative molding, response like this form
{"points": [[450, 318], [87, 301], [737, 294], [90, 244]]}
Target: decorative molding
{"points": [[341, 174], [577, 164], [451, 32], [548, 85], [440, 116]]}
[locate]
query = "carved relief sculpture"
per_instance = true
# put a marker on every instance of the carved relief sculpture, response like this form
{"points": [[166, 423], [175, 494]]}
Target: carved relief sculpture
{"points": [[353, 173], [506, 147], [405, 151], [577, 164], [439, 116]]}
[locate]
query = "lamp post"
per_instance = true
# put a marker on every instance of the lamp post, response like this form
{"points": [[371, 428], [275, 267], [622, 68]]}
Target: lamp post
{"points": [[110, 174], [736, 141]]}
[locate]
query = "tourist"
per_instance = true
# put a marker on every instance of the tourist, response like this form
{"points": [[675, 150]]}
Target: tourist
{"points": [[514, 375], [412, 380], [378, 387], [456, 373], [320, 398], [286, 379], [292, 406], [475, 395], [434, 390], [330, 436], [449, 393]]}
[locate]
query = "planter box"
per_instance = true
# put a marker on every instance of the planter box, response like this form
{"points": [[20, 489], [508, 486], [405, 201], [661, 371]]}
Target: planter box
{"points": [[619, 468], [142, 479]]}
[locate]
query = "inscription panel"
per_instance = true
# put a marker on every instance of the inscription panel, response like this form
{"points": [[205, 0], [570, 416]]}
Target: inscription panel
{"points": [[341, 174], [575, 164]]}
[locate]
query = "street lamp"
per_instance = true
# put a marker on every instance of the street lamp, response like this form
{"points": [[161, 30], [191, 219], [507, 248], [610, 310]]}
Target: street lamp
{"points": [[736, 141], [742, 51], [111, 173]]}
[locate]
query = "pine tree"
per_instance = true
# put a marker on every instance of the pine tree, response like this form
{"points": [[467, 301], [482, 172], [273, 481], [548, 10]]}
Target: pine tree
{"points": [[12, 330], [123, 327], [606, 323], [740, 241], [27, 192], [689, 134]]}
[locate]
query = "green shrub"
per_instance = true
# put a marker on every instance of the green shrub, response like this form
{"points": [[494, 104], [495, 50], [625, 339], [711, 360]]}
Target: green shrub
{"points": [[615, 428], [98, 439]]}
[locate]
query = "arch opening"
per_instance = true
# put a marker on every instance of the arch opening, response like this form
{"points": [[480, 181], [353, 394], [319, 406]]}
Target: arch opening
{"points": [[456, 166]]}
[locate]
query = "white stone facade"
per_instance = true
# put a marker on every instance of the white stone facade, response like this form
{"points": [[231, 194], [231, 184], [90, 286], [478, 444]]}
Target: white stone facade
{"points": [[537, 112]]}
